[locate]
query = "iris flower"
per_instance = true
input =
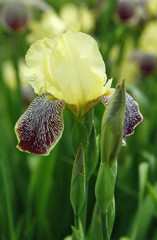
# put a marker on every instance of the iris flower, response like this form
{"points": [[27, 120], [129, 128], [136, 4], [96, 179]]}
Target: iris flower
{"points": [[50, 23], [79, 18], [65, 71]]}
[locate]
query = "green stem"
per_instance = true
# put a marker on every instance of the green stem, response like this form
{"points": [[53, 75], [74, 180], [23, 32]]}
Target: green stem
{"points": [[104, 224], [8, 204], [84, 209], [136, 222], [76, 224], [15, 59], [76, 221]]}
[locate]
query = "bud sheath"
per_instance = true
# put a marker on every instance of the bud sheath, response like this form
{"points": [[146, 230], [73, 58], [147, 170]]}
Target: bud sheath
{"points": [[104, 189], [77, 192], [113, 125]]}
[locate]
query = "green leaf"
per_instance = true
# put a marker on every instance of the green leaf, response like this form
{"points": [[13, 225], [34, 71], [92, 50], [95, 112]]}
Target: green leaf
{"points": [[88, 120], [125, 238], [95, 230], [111, 216], [153, 191], [77, 191], [143, 220], [77, 234], [68, 238], [91, 153], [79, 135], [143, 174]]}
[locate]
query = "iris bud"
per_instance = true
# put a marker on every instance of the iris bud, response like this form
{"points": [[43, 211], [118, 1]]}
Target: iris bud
{"points": [[111, 142], [14, 15], [147, 64], [113, 125], [125, 10]]}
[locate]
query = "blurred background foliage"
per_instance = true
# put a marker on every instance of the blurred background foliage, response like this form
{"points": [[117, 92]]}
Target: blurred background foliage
{"points": [[34, 190]]}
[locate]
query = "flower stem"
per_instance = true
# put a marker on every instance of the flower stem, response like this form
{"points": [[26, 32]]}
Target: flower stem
{"points": [[84, 209], [77, 235], [104, 224], [76, 221], [15, 56], [8, 204]]}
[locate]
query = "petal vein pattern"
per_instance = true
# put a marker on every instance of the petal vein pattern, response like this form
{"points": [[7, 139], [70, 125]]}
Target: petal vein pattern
{"points": [[41, 126]]}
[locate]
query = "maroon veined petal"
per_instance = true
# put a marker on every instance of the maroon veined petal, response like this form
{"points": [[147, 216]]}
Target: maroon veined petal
{"points": [[41, 126], [132, 114]]}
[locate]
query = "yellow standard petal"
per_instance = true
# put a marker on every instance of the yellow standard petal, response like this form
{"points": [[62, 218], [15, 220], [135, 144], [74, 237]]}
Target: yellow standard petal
{"points": [[152, 7], [79, 18], [49, 24], [68, 66], [148, 39]]}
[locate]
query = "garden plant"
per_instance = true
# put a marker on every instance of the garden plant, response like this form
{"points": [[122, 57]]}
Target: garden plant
{"points": [[76, 78]]}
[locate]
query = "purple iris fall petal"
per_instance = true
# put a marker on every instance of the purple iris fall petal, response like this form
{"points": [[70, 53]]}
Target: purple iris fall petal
{"points": [[41, 126], [132, 114]]}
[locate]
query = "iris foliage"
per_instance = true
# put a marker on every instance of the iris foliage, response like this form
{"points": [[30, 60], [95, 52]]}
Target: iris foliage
{"points": [[35, 190]]}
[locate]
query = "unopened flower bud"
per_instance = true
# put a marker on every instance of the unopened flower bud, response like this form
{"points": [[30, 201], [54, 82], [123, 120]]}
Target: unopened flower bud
{"points": [[147, 64], [14, 15], [113, 125], [125, 10]]}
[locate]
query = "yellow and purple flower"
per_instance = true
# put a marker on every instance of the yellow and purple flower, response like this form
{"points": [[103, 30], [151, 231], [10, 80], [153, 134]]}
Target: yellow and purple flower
{"points": [[65, 71]]}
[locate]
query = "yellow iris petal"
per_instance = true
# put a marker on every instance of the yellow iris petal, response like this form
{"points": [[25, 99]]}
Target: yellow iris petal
{"points": [[68, 66], [152, 7], [148, 39], [79, 18], [49, 24]]}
